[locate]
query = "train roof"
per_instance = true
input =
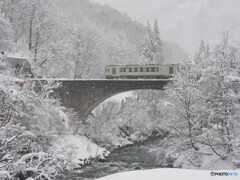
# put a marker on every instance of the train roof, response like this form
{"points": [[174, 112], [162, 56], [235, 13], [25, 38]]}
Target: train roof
{"points": [[141, 65]]}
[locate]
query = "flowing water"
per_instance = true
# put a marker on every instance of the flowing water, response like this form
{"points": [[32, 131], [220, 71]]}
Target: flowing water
{"points": [[134, 157]]}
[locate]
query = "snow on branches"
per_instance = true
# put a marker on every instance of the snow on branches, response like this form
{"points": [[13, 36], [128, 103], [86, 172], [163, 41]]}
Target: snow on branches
{"points": [[29, 126], [204, 99]]}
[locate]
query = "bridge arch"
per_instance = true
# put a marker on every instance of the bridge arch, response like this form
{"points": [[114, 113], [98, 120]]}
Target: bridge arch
{"points": [[84, 95]]}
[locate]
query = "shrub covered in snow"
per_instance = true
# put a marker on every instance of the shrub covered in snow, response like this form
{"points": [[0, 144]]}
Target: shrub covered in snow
{"points": [[136, 118], [29, 126], [204, 105], [36, 133]]}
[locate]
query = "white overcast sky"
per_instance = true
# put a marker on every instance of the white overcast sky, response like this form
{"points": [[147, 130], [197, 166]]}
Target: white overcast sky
{"points": [[185, 22]]}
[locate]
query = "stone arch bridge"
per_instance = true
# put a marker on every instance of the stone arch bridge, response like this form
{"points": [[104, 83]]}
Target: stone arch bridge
{"points": [[84, 95]]}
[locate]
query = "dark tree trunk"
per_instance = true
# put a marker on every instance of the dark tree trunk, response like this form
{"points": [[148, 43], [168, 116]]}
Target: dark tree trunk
{"points": [[36, 46], [30, 35]]}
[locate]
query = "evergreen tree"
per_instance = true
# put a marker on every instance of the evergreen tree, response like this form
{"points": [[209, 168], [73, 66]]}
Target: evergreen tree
{"points": [[202, 54], [147, 50], [158, 52], [207, 51], [202, 47], [152, 45]]}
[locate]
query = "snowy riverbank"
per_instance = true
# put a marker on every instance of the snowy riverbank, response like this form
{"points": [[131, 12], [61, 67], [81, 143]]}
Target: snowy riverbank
{"points": [[79, 149]]}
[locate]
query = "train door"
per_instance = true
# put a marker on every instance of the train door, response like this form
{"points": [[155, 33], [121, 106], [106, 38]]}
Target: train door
{"points": [[113, 70], [170, 70]]}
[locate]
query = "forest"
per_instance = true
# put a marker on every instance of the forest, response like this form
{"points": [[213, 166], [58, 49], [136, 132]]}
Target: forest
{"points": [[197, 113]]}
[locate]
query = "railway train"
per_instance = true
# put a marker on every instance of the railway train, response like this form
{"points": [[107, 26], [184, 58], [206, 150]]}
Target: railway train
{"points": [[151, 71]]}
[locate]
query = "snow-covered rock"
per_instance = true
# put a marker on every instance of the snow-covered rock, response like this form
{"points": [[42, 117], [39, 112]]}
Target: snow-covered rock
{"points": [[78, 149]]}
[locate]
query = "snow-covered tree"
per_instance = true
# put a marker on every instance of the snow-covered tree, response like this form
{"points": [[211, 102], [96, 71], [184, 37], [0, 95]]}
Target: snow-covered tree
{"points": [[27, 133], [202, 54], [85, 51], [157, 46], [118, 125], [219, 99], [152, 45], [185, 100], [148, 45], [207, 101], [6, 35]]}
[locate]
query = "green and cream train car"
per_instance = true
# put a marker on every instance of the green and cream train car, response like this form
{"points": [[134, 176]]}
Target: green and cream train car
{"points": [[152, 71]]}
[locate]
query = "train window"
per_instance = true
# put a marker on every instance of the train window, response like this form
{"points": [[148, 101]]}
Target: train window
{"points": [[122, 69], [144, 69], [136, 69], [170, 70], [127, 70], [132, 69], [151, 69], [113, 70], [156, 69]]}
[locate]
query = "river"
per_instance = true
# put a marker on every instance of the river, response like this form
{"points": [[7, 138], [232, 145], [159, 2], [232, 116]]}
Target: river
{"points": [[134, 157]]}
